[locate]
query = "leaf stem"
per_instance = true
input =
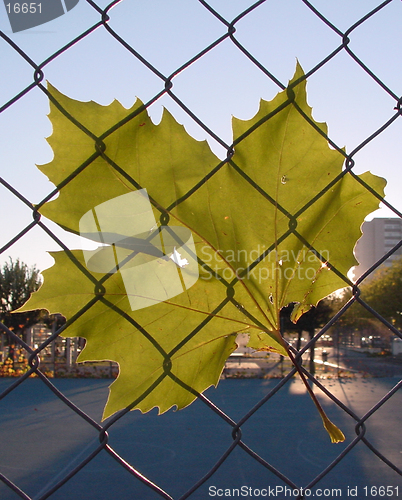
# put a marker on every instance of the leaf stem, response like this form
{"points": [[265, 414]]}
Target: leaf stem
{"points": [[334, 432]]}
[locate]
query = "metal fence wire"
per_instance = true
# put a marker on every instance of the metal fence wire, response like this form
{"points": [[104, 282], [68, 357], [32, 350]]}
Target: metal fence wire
{"points": [[167, 88]]}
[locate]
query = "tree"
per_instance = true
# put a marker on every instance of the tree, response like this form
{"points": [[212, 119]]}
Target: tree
{"points": [[17, 282], [384, 292], [316, 317]]}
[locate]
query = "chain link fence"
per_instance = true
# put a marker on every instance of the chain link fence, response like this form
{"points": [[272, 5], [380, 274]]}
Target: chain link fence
{"points": [[231, 427]]}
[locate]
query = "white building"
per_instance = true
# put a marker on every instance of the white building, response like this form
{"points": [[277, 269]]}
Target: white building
{"points": [[379, 237]]}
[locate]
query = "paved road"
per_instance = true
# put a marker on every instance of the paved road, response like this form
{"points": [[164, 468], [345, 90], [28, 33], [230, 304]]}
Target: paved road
{"points": [[376, 366], [348, 362], [41, 439]]}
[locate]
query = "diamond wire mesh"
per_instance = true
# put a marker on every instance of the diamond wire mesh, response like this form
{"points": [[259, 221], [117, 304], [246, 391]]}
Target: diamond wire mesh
{"points": [[105, 22]]}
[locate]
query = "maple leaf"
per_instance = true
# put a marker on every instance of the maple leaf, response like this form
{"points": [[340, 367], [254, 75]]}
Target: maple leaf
{"points": [[274, 224]]}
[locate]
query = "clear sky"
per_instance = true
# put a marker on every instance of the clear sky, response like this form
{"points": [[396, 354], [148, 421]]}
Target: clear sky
{"points": [[222, 83]]}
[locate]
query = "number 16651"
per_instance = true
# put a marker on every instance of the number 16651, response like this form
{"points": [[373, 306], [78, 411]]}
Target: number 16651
{"points": [[24, 8]]}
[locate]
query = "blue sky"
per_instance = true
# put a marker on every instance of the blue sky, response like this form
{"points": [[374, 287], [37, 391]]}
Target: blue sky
{"points": [[220, 84]]}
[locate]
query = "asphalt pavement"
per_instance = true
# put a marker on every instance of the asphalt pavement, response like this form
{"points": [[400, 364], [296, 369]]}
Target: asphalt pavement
{"points": [[42, 440], [347, 362]]}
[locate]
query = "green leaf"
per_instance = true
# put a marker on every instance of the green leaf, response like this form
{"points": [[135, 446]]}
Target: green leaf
{"points": [[275, 224]]}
